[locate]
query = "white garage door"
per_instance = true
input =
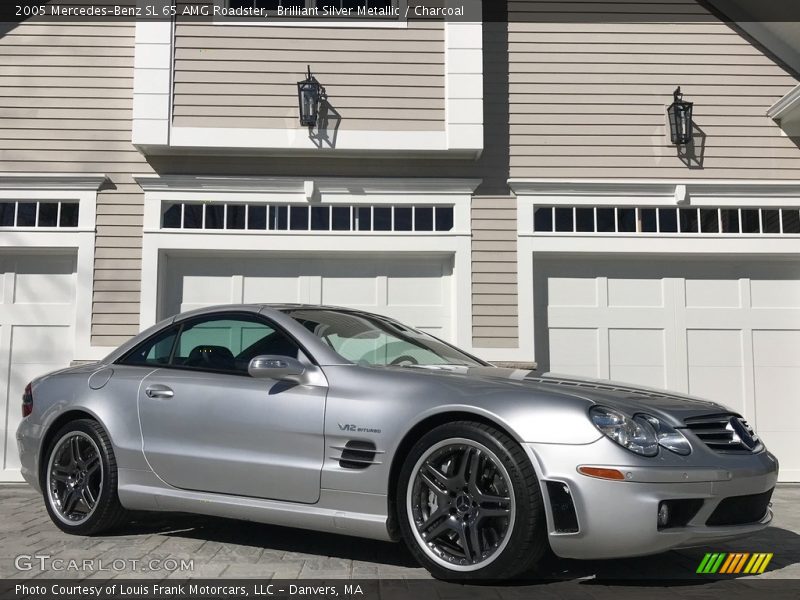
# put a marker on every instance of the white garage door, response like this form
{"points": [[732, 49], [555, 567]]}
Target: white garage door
{"points": [[416, 291], [37, 315], [728, 330]]}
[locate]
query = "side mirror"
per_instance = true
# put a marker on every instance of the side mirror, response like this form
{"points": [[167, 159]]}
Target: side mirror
{"points": [[281, 368]]}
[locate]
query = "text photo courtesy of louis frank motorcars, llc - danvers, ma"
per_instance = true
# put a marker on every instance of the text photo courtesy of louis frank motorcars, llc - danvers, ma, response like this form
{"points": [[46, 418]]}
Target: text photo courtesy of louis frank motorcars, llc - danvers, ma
{"points": [[399, 299]]}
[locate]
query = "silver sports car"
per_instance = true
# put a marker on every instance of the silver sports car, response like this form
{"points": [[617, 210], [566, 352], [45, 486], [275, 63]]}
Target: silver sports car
{"points": [[349, 422]]}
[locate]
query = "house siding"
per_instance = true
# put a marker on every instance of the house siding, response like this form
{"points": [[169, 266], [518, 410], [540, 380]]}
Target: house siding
{"points": [[245, 76], [66, 96], [588, 100]]}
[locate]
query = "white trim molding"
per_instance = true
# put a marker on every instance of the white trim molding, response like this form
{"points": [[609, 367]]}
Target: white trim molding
{"points": [[158, 243], [464, 79], [80, 240], [786, 112], [152, 81]]}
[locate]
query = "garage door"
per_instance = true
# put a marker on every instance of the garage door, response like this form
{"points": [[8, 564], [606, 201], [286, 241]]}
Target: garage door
{"points": [[728, 330], [37, 313], [416, 291]]}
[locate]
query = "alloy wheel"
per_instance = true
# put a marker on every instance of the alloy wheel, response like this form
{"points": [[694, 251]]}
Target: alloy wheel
{"points": [[74, 477], [461, 504]]}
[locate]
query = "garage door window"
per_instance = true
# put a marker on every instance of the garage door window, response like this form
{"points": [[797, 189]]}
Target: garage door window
{"points": [[38, 214]]}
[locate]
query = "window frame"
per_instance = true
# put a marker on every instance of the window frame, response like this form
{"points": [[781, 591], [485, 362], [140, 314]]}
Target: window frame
{"points": [[179, 326]]}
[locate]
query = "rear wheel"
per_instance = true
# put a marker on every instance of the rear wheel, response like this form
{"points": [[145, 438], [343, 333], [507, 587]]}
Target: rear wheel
{"points": [[79, 480], [469, 504]]}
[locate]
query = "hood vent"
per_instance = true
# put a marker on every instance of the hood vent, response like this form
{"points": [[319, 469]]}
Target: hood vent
{"points": [[725, 432], [357, 454]]}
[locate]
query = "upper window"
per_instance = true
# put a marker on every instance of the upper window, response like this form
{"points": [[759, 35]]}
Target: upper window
{"points": [[220, 343], [304, 217], [29, 213], [375, 341]]}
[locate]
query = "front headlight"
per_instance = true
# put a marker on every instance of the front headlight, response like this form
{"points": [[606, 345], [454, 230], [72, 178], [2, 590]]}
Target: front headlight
{"points": [[636, 435], [668, 437]]}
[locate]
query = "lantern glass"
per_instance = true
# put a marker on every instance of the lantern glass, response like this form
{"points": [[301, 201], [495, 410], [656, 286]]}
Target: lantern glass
{"points": [[680, 120], [308, 94]]}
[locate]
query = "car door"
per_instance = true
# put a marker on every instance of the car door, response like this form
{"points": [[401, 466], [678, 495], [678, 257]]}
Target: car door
{"points": [[208, 426]]}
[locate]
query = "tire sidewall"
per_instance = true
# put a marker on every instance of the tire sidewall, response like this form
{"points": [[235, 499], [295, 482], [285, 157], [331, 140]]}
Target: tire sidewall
{"points": [[108, 485], [526, 508]]}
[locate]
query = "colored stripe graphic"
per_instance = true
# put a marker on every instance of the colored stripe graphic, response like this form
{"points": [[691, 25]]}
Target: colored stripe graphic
{"points": [[737, 568], [734, 563], [758, 563]]}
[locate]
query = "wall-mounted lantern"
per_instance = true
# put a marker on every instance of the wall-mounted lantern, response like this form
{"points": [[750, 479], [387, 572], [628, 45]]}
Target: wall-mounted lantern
{"points": [[309, 95], [680, 119]]}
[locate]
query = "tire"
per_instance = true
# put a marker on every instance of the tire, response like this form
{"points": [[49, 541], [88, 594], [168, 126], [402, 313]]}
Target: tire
{"points": [[498, 514], [70, 485]]}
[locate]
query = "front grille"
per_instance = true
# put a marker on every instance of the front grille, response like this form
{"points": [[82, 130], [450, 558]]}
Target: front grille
{"points": [[740, 510], [719, 433]]}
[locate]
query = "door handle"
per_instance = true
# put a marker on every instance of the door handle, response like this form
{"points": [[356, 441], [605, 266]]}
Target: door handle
{"points": [[159, 391]]}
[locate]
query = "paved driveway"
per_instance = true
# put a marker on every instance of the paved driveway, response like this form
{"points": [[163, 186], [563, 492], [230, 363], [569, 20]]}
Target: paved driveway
{"points": [[162, 546]]}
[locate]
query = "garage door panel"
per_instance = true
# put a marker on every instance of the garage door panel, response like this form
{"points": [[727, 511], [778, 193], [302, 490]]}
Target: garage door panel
{"points": [[574, 351], [361, 292], [775, 294], [714, 293], [41, 344], [274, 289], [618, 318], [573, 291], [635, 293], [776, 348], [637, 356]]}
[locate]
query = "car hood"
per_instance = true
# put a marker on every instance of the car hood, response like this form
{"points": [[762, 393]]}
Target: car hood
{"points": [[671, 406]]}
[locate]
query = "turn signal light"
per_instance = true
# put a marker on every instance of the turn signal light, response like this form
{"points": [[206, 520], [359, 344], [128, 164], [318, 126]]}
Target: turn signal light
{"points": [[602, 473], [27, 401]]}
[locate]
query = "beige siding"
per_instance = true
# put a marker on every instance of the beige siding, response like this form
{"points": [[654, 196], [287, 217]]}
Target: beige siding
{"points": [[494, 272], [246, 76], [66, 99], [589, 99]]}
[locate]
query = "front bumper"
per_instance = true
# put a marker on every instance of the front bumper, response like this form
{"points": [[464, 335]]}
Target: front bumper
{"points": [[619, 518]]}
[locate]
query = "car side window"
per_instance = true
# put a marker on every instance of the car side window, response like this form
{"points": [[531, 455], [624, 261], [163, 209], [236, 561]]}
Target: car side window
{"points": [[154, 352], [228, 344]]}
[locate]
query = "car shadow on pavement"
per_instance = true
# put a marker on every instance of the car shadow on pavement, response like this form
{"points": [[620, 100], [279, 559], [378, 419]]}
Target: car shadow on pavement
{"points": [[669, 568]]}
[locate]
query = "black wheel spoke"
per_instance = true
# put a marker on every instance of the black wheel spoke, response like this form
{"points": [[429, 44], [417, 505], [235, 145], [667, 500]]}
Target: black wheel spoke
{"points": [[437, 481], [92, 465], [75, 477], [60, 474], [88, 498], [71, 498]]}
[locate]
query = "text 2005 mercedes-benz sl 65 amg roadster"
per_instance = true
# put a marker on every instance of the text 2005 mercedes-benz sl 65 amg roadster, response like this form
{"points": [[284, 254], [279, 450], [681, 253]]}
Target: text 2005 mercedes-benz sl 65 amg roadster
{"points": [[339, 420]]}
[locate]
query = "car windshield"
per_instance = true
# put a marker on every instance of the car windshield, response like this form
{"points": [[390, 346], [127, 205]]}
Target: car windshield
{"points": [[377, 341]]}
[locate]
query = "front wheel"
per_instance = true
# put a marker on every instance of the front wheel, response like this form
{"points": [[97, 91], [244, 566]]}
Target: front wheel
{"points": [[79, 480], [469, 504]]}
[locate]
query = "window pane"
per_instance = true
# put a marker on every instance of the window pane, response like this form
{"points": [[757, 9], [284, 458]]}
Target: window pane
{"points": [[266, 4], [228, 345], [240, 3], [172, 217], [750, 222], [340, 218], [215, 216], [383, 218], [48, 214], [584, 219], [153, 352], [7, 214], [69, 214], [329, 4], [279, 217], [709, 220], [320, 218], [606, 221], [444, 218], [26, 214], [791, 220], [730, 220], [564, 219], [235, 216], [402, 218], [543, 219], [364, 214], [256, 217], [668, 220], [192, 216], [648, 218], [380, 4], [298, 218], [688, 218], [626, 220], [423, 218], [770, 220]]}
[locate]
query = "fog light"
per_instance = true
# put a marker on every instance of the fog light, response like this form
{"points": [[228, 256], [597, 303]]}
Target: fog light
{"points": [[663, 514]]}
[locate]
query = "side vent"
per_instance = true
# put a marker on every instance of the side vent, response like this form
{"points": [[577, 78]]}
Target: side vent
{"points": [[564, 518], [357, 454]]}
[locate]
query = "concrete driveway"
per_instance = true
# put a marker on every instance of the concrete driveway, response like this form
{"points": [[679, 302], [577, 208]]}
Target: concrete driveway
{"points": [[180, 546]]}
